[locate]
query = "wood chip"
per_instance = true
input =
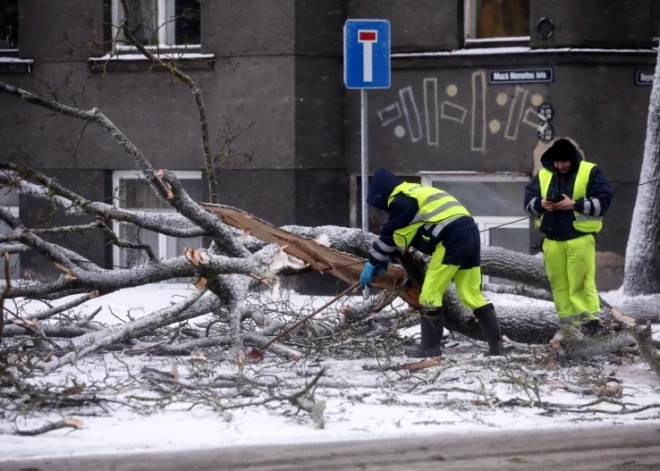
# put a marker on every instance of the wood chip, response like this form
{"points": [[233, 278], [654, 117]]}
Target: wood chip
{"points": [[422, 365], [621, 317], [69, 274], [75, 423], [201, 283], [246, 234]]}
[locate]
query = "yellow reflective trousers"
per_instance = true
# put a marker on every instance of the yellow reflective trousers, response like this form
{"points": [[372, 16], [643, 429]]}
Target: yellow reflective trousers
{"points": [[438, 277], [571, 269]]}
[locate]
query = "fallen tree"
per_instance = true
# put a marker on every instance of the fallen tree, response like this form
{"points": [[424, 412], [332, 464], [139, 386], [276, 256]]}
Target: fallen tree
{"points": [[235, 265], [244, 261]]}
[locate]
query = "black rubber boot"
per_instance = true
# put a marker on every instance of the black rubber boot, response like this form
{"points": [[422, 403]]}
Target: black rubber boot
{"points": [[591, 327], [433, 323], [490, 327]]}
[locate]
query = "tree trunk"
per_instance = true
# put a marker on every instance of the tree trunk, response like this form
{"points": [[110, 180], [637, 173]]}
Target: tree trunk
{"points": [[643, 250]]}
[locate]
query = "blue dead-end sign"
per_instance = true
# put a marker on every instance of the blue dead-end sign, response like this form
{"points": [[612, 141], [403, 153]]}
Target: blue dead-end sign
{"points": [[367, 54]]}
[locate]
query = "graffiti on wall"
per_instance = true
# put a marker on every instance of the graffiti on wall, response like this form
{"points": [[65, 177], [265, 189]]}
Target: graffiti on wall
{"points": [[458, 105]]}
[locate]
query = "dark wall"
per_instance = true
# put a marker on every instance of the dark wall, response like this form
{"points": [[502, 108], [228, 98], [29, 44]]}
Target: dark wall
{"points": [[416, 125], [318, 27], [268, 194], [248, 27], [416, 25], [588, 23], [320, 180], [160, 117], [157, 115], [319, 105], [61, 30], [37, 213], [597, 105]]}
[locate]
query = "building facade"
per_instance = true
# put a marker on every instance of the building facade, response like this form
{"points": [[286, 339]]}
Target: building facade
{"points": [[479, 90]]}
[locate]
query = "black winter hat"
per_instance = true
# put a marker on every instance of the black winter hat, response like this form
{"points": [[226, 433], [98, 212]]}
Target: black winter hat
{"points": [[561, 151]]}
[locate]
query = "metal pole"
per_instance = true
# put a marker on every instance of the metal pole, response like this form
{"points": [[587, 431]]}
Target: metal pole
{"points": [[364, 135]]}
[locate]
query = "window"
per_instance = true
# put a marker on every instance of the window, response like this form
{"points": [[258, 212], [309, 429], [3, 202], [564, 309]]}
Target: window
{"points": [[133, 192], [493, 200], [161, 22], [8, 26], [497, 19], [9, 200]]}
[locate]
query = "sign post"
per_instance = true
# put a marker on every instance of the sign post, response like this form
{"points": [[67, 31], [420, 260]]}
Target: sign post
{"points": [[366, 66]]}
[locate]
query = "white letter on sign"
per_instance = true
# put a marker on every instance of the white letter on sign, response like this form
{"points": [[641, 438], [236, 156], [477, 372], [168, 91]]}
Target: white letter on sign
{"points": [[367, 37]]}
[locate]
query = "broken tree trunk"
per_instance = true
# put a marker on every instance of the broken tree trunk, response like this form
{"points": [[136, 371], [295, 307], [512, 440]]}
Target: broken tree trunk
{"points": [[643, 250], [536, 323]]}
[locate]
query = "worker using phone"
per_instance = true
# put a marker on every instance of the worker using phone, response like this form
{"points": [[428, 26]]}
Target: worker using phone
{"points": [[569, 198]]}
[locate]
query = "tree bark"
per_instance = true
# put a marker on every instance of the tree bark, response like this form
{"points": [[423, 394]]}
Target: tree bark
{"points": [[643, 250], [525, 324]]}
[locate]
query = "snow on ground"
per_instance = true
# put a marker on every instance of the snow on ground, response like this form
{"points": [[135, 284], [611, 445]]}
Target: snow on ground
{"points": [[466, 394]]}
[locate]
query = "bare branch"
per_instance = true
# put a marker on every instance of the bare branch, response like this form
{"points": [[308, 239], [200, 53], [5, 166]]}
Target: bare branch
{"points": [[174, 225], [107, 281], [63, 307], [171, 191], [124, 244], [185, 205], [65, 229], [94, 341], [519, 290], [4, 295], [14, 248], [66, 423], [197, 93], [46, 331]]}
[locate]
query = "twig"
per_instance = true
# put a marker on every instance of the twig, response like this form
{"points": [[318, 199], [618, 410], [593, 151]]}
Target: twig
{"points": [[65, 229], [63, 307], [197, 93], [174, 225], [4, 295], [124, 244], [66, 423], [305, 319]]}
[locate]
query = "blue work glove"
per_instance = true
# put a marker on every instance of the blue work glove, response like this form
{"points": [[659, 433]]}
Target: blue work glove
{"points": [[367, 276], [381, 269]]}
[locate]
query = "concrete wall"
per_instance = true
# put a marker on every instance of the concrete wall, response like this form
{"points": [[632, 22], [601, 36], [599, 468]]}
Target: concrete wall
{"points": [[417, 25], [91, 184], [598, 24]]}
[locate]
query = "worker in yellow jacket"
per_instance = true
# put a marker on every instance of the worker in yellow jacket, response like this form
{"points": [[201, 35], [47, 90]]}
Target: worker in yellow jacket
{"points": [[436, 224], [569, 198]]}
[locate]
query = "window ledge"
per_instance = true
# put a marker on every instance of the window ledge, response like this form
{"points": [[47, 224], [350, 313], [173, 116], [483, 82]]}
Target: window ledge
{"points": [[192, 56], [471, 175], [497, 51], [161, 47], [497, 42], [14, 65]]}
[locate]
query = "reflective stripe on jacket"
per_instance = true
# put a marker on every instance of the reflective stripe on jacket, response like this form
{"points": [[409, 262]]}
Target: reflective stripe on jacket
{"points": [[582, 223], [436, 208]]}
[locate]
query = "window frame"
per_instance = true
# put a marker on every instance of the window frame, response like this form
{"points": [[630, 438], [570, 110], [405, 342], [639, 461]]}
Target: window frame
{"points": [[15, 211], [164, 28], [470, 31], [163, 239]]}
